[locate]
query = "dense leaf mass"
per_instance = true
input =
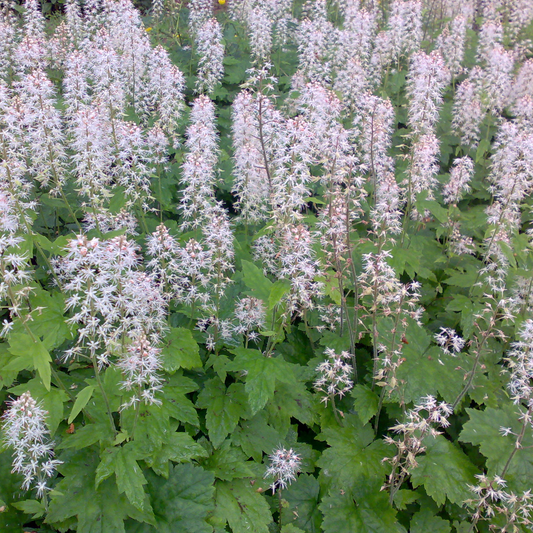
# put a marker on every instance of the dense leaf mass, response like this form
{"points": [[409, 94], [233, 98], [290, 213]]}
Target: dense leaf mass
{"points": [[266, 266]]}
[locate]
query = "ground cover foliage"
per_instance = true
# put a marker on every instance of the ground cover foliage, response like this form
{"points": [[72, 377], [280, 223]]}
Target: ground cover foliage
{"points": [[266, 266]]}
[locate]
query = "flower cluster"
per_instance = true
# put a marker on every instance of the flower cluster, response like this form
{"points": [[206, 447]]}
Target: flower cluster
{"points": [[422, 421], [284, 465], [493, 500], [26, 433], [334, 375], [449, 341]]}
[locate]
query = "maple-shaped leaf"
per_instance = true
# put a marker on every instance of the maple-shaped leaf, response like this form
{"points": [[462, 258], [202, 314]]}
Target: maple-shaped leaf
{"points": [[444, 471], [228, 463], [178, 447], [256, 436], [261, 375], [49, 322], [180, 350], [371, 514], [240, 505], [122, 461], [302, 509], [291, 401], [224, 407], [354, 460], [175, 401], [32, 354], [484, 430], [366, 402], [425, 521], [182, 502], [98, 510]]}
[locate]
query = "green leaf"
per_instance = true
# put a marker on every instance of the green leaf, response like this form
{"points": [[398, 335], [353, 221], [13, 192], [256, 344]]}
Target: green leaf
{"points": [[439, 212], [176, 404], [49, 321], [11, 521], [464, 279], [122, 461], [468, 310], [33, 507], [372, 514], [279, 289], [483, 430], [8, 376], [291, 529], [25, 347], [427, 370], [291, 401], [183, 502], [366, 402], [81, 401], [302, 510], [261, 375], [179, 447], [354, 460], [425, 521], [404, 497], [256, 436], [444, 471], [224, 408], [98, 510], [87, 436], [180, 351], [256, 281], [228, 463], [239, 505], [152, 428], [482, 148]]}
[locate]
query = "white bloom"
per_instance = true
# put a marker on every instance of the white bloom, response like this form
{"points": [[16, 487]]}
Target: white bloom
{"points": [[26, 433], [284, 465]]}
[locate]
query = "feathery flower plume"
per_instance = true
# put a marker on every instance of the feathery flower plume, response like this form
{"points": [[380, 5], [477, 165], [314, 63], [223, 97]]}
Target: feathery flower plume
{"points": [[210, 49], [451, 44], [26, 433], [421, 422], [315, 45], [140, 366], [497, 78], [404, 29], [459, 183], [334, 375], [199, 173], [43, 126], [427, 78], [260, 29], [199, 12], [250, 316], [163, 90], [109, 297], [8, 44], [468, 109], [376, 127], [284, 465], [299, 266], [251, 117], [75, 83], [520, 363]]}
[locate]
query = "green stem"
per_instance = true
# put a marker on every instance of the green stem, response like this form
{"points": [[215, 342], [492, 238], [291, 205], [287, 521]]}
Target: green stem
{"points": [[104, 395]]}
